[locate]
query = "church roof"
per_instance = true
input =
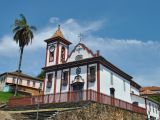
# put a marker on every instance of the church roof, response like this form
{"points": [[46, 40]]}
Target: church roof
{"points": [[58, 35]]}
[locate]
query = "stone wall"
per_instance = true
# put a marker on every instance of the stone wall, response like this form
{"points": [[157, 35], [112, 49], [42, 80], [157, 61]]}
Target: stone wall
{"points": [[99, 112]]}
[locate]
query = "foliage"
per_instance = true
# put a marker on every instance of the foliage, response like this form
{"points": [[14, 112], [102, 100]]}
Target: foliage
{"points": [[23, 33], [41, 75], [156, 98]]}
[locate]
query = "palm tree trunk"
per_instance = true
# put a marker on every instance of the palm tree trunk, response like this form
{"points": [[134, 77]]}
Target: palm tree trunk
{"points": [[19, 70]]}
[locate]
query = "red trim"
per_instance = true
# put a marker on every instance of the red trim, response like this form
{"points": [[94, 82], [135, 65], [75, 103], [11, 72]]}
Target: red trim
{"points": [[98, 80], [44, 84], [55, 82], [69, 89], [57, 54], [87, 83], [46, 55], [61, 84]]}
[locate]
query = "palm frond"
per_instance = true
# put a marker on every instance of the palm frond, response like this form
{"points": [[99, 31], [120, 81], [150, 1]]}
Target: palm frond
{"points": [[23, 33], [33, 28], [16, 28], [23, 18]]}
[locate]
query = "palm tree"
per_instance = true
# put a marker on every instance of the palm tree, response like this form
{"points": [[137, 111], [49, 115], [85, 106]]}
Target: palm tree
{"points": [[23, 35]]}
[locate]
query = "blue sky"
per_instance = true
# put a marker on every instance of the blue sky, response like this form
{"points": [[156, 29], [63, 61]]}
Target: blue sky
{"points": [[126, 32]]}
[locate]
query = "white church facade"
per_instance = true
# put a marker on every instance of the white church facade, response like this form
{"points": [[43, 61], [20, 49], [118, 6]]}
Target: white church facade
{"points": [[83, 70]]}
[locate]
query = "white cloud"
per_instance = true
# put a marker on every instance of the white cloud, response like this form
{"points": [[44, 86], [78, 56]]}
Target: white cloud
{"points": [[70, 28], [54, 20], [139, 58]]}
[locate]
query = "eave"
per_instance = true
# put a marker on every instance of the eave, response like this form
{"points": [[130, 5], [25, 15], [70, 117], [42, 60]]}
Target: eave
{"points": [[53, 39]]}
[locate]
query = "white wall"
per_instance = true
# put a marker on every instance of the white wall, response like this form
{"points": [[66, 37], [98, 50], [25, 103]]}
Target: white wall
{"points": [[140, 100], [2, 82], [83, 74], [83, 52], [134, 90], [152, 110], [9, 79], [118, 84]]}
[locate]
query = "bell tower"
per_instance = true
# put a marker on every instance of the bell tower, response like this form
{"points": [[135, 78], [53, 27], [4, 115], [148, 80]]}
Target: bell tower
{"points": [[57, 49]]}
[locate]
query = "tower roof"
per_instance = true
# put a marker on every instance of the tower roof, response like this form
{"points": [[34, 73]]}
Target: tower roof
{"points": [[58, 33]]}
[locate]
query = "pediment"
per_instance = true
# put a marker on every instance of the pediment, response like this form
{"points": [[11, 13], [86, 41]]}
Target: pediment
{"points": [[80, 52]]}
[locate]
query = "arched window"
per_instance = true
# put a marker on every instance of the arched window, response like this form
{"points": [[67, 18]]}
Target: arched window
{"points": [[51, 53], [63, 54], [49, 82]]}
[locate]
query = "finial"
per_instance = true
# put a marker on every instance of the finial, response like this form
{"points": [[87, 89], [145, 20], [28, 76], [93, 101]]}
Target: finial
{"points": [[80, 35], [58, 32], [59, 26]]}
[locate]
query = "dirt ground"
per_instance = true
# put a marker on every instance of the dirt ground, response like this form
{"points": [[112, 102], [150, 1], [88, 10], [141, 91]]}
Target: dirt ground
{"points": [[4, 115]]}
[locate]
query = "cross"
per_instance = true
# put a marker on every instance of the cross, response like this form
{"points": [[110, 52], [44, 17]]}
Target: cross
{"points": [[80, 35]]}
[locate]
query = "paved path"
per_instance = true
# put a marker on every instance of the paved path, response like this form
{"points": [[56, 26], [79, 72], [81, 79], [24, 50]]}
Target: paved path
{"points": [[43, 110]]}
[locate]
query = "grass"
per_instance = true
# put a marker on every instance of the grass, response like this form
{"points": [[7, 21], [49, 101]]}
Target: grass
{"points": [[5, 96]]}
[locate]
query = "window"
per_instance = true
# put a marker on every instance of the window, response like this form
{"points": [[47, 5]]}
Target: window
{"points": [[51, 53], [49, 82], [14, 80], [156, 109], [40, 85], [135, 103], [28, 83], [20, 81], [34, 83], [51, 56], [92, 73], [124, 85], [149, 106], [111, 78], [79, 57], [65, 78], [112, 92], [63, 54], [153, 107]]}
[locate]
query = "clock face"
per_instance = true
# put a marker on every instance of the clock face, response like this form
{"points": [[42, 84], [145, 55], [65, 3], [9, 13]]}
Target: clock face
{"points": [[79, 57], [51, 48], [78, 71]]}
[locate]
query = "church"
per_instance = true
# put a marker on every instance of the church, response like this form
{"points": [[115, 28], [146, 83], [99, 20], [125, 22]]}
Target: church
{"points": [[81, 74], [81, 69]]}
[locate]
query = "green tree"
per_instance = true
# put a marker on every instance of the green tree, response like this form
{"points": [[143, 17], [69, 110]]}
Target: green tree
{"points": [[41, 75], [23, 35]]}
